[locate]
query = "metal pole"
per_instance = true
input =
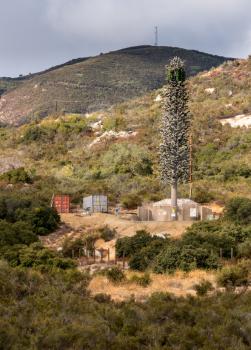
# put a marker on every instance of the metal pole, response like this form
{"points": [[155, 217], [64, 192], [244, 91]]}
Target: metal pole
{"points": [[190, 166]]}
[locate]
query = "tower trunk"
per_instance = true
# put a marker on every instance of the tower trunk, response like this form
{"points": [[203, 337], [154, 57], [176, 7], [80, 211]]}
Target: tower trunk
{"points": [[174, 202]]}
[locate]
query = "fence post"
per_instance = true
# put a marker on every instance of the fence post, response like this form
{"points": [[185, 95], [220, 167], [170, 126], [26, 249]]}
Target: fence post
{"points": [[221, 253], [72, 253], [123, 260], [232, 253]]}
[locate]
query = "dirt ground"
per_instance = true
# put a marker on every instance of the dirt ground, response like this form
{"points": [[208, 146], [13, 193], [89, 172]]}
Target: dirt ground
{"points": [[122, 226], [74, 225], [179, 284]]}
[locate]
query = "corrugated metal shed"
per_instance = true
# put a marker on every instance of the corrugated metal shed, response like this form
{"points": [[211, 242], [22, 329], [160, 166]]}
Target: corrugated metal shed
{"points": [[96, 204], [62, 203]]}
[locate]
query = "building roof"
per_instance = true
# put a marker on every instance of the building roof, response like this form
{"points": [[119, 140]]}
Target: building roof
{"points": [[167, 202]]}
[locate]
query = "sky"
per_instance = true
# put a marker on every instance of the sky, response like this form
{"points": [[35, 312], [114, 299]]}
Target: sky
{"points": [[38, 34]]}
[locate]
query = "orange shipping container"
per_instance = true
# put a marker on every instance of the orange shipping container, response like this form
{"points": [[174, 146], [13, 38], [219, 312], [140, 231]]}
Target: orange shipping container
{"points": [[62, 203]]}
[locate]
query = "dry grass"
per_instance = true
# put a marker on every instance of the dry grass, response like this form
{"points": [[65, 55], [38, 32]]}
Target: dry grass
{"points": [[179, 284]]}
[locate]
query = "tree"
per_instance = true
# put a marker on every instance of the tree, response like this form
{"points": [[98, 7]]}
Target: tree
{"points": [[174, 149]]}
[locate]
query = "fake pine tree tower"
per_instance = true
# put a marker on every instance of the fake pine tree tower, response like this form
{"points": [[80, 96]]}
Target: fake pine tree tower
{"points": [[174, 150]]}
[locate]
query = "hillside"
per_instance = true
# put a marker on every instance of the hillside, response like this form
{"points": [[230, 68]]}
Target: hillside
{"points": [[115, 151], [87, 85]]}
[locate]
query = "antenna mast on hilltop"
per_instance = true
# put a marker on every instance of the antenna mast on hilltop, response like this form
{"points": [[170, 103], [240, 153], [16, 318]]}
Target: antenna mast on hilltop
{"points": [[156, 32]]}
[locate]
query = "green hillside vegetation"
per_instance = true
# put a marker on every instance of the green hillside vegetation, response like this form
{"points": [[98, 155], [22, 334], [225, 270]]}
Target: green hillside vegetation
{"points": [[56, 152], [52, 310], [98, 82]]}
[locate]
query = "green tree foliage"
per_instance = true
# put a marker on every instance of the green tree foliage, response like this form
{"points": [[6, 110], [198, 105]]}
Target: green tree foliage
{"points": [[16, 176], [239, 210], [203, 288], [115, 275], [16, 233], [53, 310], [43, 220], [131, 200], [126, 158], [107, 233], [234, 276]]}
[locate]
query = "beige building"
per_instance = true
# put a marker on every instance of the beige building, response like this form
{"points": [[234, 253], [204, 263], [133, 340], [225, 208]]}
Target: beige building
{"points": [[188, 210]]}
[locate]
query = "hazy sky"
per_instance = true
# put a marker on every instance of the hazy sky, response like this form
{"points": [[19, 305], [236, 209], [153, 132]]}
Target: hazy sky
{"points": [[37, 34]]}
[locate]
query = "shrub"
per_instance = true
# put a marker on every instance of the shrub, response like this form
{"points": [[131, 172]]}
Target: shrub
{"points": [[142, 259], [126, 158], [244, 249], [142, 281], [131, 201], [42, 219], [128, 246], [203, 288], [18, 233], [238, 210], [102, 298], [233, 276], [36, 256], [72, 246], [116, 123], [115, 275], [202, 195], [16, 176], [107, 233]]}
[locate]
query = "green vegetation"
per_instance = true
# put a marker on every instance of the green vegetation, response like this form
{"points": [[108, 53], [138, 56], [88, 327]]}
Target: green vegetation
{"points": [[115, 275], [16, 176], [231, 277], [202, 246], [52, 310], [203, 288], [99, 82], [142, 281]]}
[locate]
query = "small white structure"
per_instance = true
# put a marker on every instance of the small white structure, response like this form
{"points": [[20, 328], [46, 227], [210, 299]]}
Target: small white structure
{"points": [[162, 211]]}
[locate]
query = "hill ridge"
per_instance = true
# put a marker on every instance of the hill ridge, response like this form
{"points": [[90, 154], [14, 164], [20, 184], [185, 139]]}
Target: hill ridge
{"points": [[98, 82]]}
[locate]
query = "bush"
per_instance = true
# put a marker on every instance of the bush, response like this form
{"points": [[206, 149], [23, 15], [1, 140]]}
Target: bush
{"points": [[116, 123], [72, 247], [128, 246], [128, 159], [15, 176], [107, 233], [142, 281], [18, 233], [203, 288], [233, 276], [43, 220], [35, 256], [238, 210], [244, 249], [131, 201], [115, 275], [143, 259]]}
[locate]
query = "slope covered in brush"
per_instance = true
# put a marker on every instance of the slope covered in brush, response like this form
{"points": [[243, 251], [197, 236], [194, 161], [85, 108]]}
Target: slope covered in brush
{"points": [[96, 83], [115, 151]]}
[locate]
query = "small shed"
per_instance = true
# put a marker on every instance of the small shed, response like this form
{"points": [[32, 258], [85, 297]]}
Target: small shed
{"points": [[61, 203], [96, 204], [162, 211]]}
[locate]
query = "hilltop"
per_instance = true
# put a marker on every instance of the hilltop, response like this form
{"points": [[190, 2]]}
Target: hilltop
{"points": [[90, 84]]}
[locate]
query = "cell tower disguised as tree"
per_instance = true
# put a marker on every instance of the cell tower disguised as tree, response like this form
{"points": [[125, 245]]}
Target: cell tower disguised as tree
{"points": [[174, 150]]}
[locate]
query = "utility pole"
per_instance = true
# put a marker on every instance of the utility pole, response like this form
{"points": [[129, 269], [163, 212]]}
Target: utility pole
{"points": [[156, 32], [190, 166]]}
